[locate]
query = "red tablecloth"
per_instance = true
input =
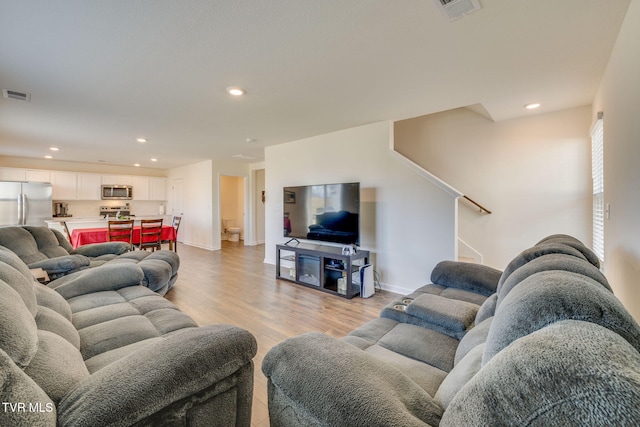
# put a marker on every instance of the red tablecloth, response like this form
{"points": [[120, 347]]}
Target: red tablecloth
{"points": [[84, 236]]}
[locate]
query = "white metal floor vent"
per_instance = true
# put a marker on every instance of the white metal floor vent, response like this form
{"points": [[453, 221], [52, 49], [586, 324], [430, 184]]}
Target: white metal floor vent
{"points": [[454, 9], [19, 96]]}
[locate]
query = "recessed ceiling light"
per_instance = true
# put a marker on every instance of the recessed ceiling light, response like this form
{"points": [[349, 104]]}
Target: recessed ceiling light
{"points": [[532, 106], [250, 140], [142, 140], [236, 91], [136, 164], [154, 160], [54, 149], [48, 157]]}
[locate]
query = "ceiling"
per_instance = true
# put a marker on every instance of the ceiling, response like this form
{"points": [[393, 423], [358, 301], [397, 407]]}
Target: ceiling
{"points": [[103, 73]]}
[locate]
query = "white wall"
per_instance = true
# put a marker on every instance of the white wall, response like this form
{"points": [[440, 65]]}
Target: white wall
{"points": [[406, 222], [259, 205], [533, 173], [197, 225], [618, 97]]}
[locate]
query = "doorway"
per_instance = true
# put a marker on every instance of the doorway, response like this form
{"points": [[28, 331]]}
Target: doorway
{"points": [[232, 209]]}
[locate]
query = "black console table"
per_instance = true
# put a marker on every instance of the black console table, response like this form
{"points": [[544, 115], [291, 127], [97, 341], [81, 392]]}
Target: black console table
{"points": [[320, 267]]}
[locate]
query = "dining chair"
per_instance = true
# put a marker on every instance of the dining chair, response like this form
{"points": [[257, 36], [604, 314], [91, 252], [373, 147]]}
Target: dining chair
{"points": [[175, 222], [66, 229], [121, 230], [150, 234]]}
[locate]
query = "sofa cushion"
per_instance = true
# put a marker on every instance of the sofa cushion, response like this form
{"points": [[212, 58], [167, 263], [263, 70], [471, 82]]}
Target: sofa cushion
{"points": [[487, 309], [16, 274], [551, 296], [475, 337], [61, 264], [554, 377], [447, 292], [426, 376], [550, 262], [342, 385], [51, 299], [451, 311], [17, 387], [535, 252], [57, 366], [477, 278], [50, 241], [21, 242], [49, 320], [450, 314], [574, 243], [18, 329], [422, 344], [460, 375]]}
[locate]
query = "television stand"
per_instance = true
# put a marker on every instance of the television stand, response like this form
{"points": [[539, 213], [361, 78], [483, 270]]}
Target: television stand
{"points": [[320, 267]]}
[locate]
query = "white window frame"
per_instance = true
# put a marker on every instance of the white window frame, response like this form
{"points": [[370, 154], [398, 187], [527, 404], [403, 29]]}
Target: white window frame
{"points": [[597, 175]]}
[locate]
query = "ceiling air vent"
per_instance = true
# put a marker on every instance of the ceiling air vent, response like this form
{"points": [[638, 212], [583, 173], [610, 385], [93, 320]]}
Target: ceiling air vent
{"points": [[243, 157], [454, 9], [13, 94]]}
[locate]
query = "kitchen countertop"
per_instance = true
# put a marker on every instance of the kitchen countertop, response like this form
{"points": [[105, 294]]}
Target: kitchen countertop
{"points": [[98, 221]]}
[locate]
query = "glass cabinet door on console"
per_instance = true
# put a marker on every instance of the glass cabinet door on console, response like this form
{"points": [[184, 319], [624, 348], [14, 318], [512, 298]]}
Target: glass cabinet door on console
{"points": [[321, 267]]}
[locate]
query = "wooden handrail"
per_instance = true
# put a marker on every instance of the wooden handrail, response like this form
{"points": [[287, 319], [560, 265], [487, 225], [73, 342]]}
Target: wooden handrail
{"points": [[482, 208]]}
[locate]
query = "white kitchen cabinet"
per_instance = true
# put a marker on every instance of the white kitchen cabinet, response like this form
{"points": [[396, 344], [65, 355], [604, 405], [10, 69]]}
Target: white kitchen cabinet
{"points": [[12, 174], [37, 175], [88, 186], [157, 188], [140, 187], [117, 180], [64, 185]]}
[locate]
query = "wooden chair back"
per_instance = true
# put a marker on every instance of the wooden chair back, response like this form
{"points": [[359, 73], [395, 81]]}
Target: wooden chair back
{"points": [[120, 230], [150, 234], [173, 244]]}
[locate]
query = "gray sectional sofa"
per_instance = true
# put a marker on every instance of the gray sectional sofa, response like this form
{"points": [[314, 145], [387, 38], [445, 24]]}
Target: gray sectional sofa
{"points": [[94, 348], [545, 342], [42, 247]]}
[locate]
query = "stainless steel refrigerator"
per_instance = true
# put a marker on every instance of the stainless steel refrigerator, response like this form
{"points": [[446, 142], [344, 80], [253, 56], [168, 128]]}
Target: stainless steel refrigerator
{"points": [[25, 203]]}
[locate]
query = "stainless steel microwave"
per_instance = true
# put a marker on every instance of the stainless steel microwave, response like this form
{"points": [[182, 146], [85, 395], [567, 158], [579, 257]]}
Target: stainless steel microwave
{"points": [[117, 192]]}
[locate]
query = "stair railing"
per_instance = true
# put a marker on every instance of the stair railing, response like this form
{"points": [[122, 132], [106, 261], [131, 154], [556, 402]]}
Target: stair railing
{"points": [[478, 205]]}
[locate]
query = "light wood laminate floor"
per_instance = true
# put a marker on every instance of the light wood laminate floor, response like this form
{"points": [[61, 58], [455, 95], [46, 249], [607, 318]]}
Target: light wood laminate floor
{"points": [[235, 286]]}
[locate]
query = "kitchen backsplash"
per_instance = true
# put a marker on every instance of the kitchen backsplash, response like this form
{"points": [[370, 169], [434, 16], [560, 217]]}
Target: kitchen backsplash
{"points": [[84, 209]]}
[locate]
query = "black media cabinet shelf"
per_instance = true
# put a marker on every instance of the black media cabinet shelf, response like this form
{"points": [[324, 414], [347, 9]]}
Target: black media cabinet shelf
{"points": [[320, 267]]}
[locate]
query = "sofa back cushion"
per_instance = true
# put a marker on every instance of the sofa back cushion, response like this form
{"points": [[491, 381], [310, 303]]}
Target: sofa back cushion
{"points": [[574, 243], [571, 373], [16, 388], [18, 330], [50, 242], [57, 366], [16, 274], [551, 296], [534, 252], [551, 262]]}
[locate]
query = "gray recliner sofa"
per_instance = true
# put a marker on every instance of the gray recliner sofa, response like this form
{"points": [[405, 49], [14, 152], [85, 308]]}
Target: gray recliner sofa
{"points": [[94, 348], [543, 343], [42, 247]]}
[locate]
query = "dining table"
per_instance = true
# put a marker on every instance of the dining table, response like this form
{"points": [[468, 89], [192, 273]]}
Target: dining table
{"points": [[85, 236]]}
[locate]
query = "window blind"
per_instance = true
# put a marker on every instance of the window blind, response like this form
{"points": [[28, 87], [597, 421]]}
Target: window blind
{"points": [[597, 173]]}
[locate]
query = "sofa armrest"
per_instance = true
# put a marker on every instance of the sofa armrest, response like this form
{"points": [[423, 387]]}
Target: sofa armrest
{"points": [[319, 379], [97, 249], [180, 366], [477, 278], [108, 277], [62, 264]]}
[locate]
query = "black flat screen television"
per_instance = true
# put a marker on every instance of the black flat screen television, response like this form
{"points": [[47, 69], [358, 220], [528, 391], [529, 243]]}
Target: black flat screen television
{"points": [[324, 212]]}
